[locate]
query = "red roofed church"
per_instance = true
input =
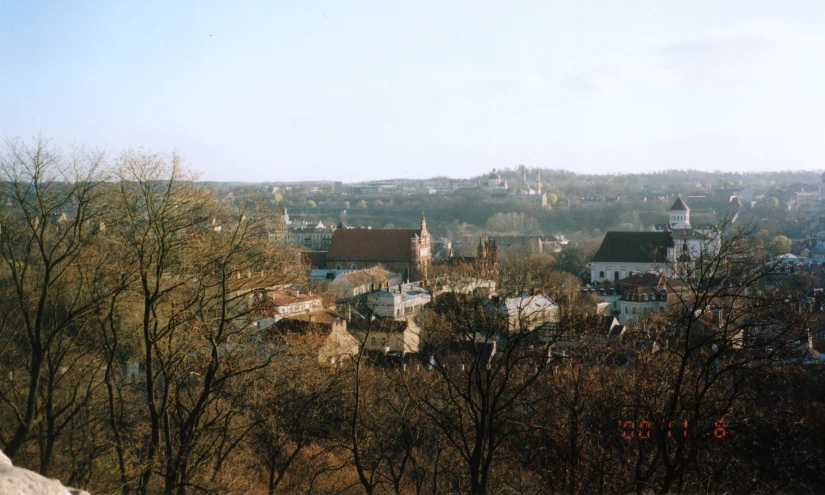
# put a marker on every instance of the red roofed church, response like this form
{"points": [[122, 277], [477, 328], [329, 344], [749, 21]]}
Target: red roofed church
{"points": [[405, 251]]}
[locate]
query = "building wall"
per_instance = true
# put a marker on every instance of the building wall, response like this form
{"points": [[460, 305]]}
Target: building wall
{"points": [[338, 345], [299, 307], [406, 341], [610, 271], [632, 310]]}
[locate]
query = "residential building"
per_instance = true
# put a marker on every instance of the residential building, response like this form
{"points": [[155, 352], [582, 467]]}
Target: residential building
{"points": [[307, 237], [400, 336], [349, 283], [399, 301], [525, 312], [285, 303], [336, 343]]}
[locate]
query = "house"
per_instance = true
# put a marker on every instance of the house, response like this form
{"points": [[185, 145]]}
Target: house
{"points": [[325, 330], [399, 301], [306, 236], [646, 293], [349, 283], [403, 251], [384, 320], [639, 301], [525, 312], [285, 303], [293, 302], [387, 335]]}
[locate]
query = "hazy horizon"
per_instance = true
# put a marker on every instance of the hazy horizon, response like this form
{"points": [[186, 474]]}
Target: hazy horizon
{"points": [[318, 91]]}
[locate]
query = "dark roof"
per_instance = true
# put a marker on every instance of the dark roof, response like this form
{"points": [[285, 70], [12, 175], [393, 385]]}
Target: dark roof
{"points": [[642, 280], [643, 247], [679, 205], [372, 243], [314, 259]]}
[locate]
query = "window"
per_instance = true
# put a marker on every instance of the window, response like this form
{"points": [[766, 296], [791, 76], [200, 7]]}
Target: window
{"points": [[601, 274], [625, 310], [372, 341], [634, 311]]}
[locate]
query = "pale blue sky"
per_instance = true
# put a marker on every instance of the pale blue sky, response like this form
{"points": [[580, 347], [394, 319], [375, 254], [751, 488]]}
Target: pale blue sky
{"points": [[355, 90]]}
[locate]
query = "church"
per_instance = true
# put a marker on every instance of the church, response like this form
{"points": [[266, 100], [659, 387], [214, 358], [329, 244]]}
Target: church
{"points": [[403, 251], [677, 243]]}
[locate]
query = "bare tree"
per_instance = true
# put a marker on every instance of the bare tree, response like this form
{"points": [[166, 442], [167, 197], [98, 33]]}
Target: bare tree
{"points": [[492, 352], [199, 270], [47, 230]]}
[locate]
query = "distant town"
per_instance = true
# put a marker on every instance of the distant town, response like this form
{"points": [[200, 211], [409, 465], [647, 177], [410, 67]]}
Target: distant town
{"points": [[527, 330]]}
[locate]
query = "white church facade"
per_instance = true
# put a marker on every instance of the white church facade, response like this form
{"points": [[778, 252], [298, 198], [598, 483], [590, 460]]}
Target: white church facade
{"points": [[671, 250]]}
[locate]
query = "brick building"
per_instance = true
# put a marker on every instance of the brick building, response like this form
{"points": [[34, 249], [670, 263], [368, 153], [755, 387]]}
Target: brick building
{"points": [[403, 251]]}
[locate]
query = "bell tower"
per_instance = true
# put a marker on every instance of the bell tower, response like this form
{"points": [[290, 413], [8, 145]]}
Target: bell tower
{"points": [[679, 215]]}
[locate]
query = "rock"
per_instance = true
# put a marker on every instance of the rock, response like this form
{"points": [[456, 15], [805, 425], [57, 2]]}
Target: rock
{"points": [[24, 482]]}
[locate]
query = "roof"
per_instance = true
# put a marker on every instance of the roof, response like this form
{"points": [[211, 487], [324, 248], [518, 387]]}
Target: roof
{"points": [[372, 243], [643, 280], [645, 294], [321, 316], [632, 247], [370, 276], [284, 298], [313, 259], [679, 205]]}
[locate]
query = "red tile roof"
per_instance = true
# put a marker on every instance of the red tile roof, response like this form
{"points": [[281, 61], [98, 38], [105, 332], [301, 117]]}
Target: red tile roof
{"points": [[372, 243]]}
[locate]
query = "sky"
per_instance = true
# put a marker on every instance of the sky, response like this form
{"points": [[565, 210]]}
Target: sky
{"points": [[363, 90]]}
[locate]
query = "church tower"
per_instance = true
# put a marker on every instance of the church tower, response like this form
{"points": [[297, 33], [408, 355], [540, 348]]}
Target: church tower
{"points": [[679, 215], [420, 253]]}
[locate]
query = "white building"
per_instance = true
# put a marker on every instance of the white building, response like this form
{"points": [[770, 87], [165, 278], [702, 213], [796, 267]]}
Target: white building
{"points": [[675, 245], [494, 182], [526, 312]]}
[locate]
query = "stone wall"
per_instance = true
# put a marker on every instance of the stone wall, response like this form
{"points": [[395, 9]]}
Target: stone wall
{"points": [[24, 482]]}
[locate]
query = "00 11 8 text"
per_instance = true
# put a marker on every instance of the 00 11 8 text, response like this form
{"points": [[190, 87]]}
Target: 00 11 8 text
{"points": [[630, 430]]}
